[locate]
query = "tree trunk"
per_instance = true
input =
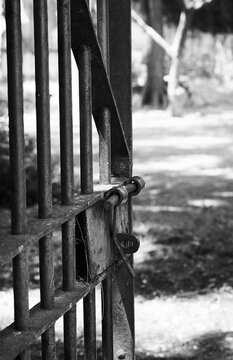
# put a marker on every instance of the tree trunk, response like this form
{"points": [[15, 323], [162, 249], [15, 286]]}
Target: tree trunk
{"points": [[178, 45], [154, 90]]}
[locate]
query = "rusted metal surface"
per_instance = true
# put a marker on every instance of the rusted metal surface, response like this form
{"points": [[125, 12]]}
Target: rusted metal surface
{"points": [[85, 89], [83, 33], [70, 336], [104, 145], [123, 315], [119, 195], [99, 249], [11, 245], [90, 326], [20, 283], [104, 113]]}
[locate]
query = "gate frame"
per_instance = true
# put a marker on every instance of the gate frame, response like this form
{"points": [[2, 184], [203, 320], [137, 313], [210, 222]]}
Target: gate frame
{"points": [[110, 68]]}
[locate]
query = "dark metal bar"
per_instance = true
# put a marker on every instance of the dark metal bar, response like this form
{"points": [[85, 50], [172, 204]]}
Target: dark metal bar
{"points": [[120, 75], [46, 271], [107, 324], [105, 173], [86, 156], [17, 166], [70, 338], [104, 113], [120, 69], [15, 105], [48, 344], [86, 161], [69, 277], [103, 30], [68, 251], [90, 326], [65, 102], [44, 167], [42, 108]]}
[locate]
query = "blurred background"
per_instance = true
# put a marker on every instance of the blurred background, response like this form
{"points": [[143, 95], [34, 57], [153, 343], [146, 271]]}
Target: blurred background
{"points": [[182, 91]]}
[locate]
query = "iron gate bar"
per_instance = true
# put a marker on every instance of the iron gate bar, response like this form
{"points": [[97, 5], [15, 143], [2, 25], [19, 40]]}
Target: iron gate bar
{"points": [[86, 171], [15, 105], [104, 113], [120, 66], [65, 102], [105, 173], [67, 172], [44, 168], [85, 106], [41, 319], [120, 75], [17, 166], [83, 32]]}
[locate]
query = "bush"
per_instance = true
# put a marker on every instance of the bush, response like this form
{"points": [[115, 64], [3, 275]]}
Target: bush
{"points": [[31, 170]]}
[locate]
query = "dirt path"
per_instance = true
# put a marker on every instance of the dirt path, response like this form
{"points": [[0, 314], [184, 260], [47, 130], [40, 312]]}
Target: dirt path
{"points": [[184, 218]]}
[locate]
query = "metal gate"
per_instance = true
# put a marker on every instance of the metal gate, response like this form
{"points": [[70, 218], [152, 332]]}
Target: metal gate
{"points": [[99, 217]]}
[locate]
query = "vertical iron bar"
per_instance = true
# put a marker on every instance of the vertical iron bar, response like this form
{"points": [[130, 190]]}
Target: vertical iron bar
{"points": [[86, 162], [15, 104], [120, 67], [107, 324], [42, 107], [105, 173], [90, 326], [104, 113], [103, 30], [65, 101], [44, 167], [86, 156], [17, 166], [120, 76]]}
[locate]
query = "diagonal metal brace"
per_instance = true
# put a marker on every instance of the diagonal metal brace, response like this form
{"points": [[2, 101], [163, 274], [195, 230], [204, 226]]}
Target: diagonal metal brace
{"points": [[83, 33]]}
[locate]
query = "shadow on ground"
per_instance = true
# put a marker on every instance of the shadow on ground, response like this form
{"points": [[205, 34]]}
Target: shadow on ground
{"points": [[211, 346], [218, 346], [190, 247]]}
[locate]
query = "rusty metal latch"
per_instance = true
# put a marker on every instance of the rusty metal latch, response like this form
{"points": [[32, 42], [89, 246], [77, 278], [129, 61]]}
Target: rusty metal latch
{"points": [[125, 243], [119, 195]]}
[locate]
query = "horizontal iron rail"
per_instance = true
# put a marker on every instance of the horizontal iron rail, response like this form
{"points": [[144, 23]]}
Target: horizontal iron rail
{"points": [[41, 320], [83, 33], [11, 245]]}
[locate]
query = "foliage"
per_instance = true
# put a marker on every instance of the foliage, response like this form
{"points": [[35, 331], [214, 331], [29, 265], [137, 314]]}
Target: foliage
{"points": [[30, 166], [30, 163], [213, 16]]}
